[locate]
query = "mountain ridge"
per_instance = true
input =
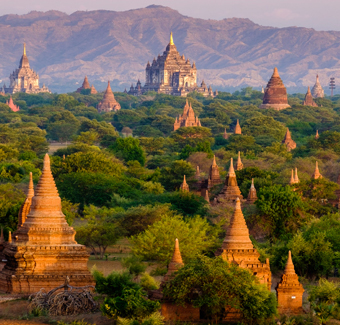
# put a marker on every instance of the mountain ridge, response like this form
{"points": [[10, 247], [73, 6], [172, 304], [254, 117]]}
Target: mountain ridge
{"points": [[112, 45]]}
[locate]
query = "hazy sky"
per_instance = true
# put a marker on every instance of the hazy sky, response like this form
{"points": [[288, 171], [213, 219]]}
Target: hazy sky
{"points": [[318, 14]]}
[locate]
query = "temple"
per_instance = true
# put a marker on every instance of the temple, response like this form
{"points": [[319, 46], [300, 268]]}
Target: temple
{"points": [[288, 141], [230, 191], [12, 106], [316, 174], [238, 248], [317, 134], [43, 250], [252, 196], [225, 134], [187, 118], [309, 101], [275, 95], [239, 165], [184, 186], [238, 129], [317, 91], [24, 79], [108, 103], [171, 74], [85, 86], [289, 290]]}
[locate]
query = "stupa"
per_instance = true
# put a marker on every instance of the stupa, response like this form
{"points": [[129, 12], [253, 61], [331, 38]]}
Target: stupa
{"points": [[184, 186], [187, 118], [108, 102], [198, 173], [317, 91], [231, 191], [316, 174], [225, 134], [292, 178], [12, 106], [238, 129], [206, 197], [239, 165], [214, 174], [296, 177], [275, 95], [289, 290], [309, 101], [238, 248], [176, 262], [288, 141], [44, 251], [317, 134], [252, 196], [86, 85]]}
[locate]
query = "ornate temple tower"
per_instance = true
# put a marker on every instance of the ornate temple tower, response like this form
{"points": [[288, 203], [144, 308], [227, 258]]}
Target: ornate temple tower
{"points": [[275, 95], [317, 91], [238, 248], [288, 141], [252, 196], [43, 251], [108, 102], [309, 101], [290, 290], [187, 118], [24, 79]]}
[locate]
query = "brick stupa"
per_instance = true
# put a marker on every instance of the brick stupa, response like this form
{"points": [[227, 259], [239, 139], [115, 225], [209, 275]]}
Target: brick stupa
{"points": [[176, 262], [288, 141], [44, 251], [316, 174], [252, 196], [86, 85], [309, 101], [238, 129], [289, 290], [225, 134], [296, 177], [108, 102], [317, 134], [12, 106], [184, 186], [187, 118], [238, 248], [214, 174], [275, 95], [230, 191], [239, 165], [317, 91]]}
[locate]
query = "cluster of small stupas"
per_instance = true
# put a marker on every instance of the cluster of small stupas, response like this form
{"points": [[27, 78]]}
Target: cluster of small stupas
{"points": [[108, 103], [86, 85], [43, 250], [294, 179], [237, 248], [187, 118]]}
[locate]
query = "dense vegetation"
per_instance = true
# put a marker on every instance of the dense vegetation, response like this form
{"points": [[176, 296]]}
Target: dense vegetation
{"points": [[120, 173]]}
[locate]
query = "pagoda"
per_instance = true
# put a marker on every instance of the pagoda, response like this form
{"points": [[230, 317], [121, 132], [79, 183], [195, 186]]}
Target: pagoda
{"points": [[252, 196], [317, 134], [237, 128], [184, 186], [237, 248], [12, 106], [316, 174], [108, 103], [288, 141], [296, 177], [24, 79], [225, 134], [175, 264], [171, 74], [317, 91], [214, 174], [292, 178], [289, 290], [239, 165], [275, 95], [187, 118], [86, 85], [309, 101], [43, 250], [230, 191]]}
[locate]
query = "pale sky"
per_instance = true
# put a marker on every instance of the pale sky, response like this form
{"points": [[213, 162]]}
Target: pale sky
{"points": [[317, 14]]}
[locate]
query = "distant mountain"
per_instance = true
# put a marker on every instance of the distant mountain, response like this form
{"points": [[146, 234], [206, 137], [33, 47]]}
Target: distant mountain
{"points": [[117, 45]]}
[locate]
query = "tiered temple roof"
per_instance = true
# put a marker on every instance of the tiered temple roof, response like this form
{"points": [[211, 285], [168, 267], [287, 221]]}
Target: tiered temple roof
{"points": [[108, 102], [44, 251], [275, 95], [309, 101], [288, 141], [187, 118], [317, 91]]}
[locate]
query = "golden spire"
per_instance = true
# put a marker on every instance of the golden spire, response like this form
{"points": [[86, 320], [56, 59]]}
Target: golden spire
{"points": [[289, 269], [9, 236], [175, 263], [30, 192], [276, 72], [24, 48], [231, 168], [214, 162], [171, 39], [239, 165]]}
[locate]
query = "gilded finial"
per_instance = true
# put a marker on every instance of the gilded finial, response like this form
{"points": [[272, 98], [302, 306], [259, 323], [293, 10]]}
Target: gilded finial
{"points": [[171, 39]]}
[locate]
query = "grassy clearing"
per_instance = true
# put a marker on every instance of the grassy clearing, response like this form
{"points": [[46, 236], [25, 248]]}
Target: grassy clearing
{"points": [[53, 147]]}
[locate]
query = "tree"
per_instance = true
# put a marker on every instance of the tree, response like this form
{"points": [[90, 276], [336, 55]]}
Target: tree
{"points": [[213, 285], [191, 136], [129, 149], [242, 143], [99, 232], [156, 242]]}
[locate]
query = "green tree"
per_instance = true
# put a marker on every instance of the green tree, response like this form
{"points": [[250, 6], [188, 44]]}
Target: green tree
{"points": [[213, 285], [129, 149]]}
